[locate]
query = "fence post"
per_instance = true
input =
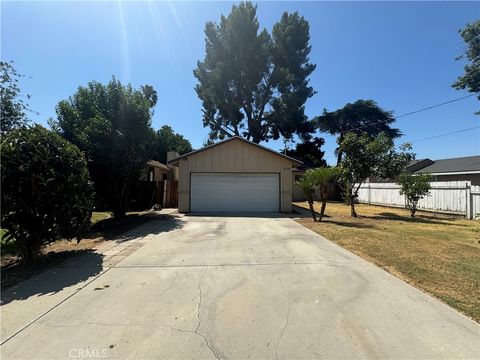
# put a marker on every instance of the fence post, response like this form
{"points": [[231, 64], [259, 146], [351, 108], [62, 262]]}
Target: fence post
{"points": [[468, 201], [369, 194]]}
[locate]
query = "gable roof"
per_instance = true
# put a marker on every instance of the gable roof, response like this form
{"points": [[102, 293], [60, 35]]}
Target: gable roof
{"points": [[174, 161], [465, 164]]}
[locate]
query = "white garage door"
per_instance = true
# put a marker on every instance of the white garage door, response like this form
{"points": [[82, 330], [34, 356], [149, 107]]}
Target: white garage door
{"points": [[235, 192]]}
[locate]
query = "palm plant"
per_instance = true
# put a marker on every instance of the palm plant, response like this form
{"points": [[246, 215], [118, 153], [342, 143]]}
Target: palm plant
{"points": [[323, 179], [308, 185]]}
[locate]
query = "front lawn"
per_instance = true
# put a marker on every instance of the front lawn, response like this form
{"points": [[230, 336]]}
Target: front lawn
{"points": [[436, 253]]}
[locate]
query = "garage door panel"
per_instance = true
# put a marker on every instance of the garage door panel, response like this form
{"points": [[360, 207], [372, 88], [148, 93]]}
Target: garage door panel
{"points": [[234, 192]]}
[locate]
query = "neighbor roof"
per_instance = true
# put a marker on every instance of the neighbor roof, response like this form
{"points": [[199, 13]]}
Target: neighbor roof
{"points": [[158, 164], [453, 165], [231, 139]]}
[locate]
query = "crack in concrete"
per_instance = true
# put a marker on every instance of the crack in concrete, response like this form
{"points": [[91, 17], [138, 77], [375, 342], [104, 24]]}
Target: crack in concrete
{"points": [[199, 318], [286, 319]]}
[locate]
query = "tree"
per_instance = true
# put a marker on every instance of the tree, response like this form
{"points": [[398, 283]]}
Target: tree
{"points": [[363, 116], [307, 184], [112, 124], [13, 106], [164, 140], [323, 178], [254, 84], [364, 157], [414, 187], [309, 152], [46, 190], [150, 94], [470, 80]]}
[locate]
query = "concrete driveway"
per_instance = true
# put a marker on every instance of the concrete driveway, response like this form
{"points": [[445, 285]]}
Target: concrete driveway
{"points": [[228, 288]]}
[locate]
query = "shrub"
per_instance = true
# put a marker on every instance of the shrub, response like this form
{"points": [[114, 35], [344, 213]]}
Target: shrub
{"points": [[46, 190], [414, 187]]}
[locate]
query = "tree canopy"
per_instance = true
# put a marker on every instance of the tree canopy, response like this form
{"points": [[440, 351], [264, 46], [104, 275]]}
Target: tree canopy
{"points": [[362, 116], [309, 152], [164, 140], [13, 104], [364, 157], [111, 124], [470, 80], [254, 84]]}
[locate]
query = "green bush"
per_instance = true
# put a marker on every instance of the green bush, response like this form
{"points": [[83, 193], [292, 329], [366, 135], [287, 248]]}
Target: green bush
{"points": [[46, 191], [414, 187]]}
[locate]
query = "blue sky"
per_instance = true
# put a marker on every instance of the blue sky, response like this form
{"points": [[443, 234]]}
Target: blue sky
{"points": [[401, 54]]}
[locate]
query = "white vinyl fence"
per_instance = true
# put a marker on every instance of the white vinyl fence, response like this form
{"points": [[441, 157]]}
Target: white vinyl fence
{"points": [[452, 197]]}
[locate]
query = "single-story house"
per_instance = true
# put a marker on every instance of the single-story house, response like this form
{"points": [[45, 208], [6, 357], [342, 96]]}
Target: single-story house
{"points": [[235, 175], [453, 169]]}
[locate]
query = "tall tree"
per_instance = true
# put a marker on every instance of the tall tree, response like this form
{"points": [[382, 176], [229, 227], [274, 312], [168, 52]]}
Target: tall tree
{"points": [[150, 94], [309, 152], [164, 140], [13, 106], [470, 80], [111, 124], [254, 84], [364, 157], [363, 116]]}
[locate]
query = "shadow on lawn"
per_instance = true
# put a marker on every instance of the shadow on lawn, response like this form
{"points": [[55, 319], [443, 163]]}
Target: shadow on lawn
{"points": [[56, 271], [422, 219], [348, 224]]}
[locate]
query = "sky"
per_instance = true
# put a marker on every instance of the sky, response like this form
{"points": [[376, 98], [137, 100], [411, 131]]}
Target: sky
{"points": [[400, 54]]}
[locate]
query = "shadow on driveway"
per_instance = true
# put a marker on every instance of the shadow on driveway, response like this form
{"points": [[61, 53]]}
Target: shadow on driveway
{"points": [[65, 269]]}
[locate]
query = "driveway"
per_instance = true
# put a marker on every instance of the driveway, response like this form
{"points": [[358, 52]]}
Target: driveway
{"points": [[228, 288]]}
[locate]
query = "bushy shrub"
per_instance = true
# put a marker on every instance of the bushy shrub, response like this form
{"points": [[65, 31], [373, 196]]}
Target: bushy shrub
{"points": [[46, 190]]}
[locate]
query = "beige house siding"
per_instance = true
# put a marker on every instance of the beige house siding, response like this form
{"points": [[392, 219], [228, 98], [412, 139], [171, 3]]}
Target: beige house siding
{"points": [[239, 157]]}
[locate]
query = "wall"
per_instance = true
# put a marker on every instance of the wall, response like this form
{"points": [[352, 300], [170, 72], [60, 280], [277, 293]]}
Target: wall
{"points": [[454, 197], [235, 156]]}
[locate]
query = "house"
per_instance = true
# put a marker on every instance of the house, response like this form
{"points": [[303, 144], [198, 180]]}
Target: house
{"points": [[160, 184], [453, 169], [235, 175]]}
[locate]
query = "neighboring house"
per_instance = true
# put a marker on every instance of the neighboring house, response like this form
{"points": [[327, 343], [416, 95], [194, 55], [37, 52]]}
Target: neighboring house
{"points": [[156, 171], [235, 175], [454, 169], [164, 179]]}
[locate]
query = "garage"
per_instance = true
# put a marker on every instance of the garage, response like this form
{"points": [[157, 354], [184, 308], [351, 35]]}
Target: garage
{"points": [[232, 192], [234, 175]]}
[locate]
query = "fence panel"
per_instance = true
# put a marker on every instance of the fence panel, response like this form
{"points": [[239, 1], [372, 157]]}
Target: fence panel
{"points": [[475, 193], [457, 197]]}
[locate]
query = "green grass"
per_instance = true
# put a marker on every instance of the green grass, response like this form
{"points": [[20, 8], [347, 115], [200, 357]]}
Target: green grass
{"points": [[98, 216], [436, 253]]}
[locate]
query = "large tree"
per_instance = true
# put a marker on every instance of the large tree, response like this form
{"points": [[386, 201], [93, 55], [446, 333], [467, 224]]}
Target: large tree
{"points": [[309, 152], [470, 80], [164, 140], [364, 157], [13, 105], [363, 116], [254, 84], [111, 124]]}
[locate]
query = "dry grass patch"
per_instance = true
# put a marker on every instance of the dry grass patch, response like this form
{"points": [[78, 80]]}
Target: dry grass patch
{"points": [[436, 253]]}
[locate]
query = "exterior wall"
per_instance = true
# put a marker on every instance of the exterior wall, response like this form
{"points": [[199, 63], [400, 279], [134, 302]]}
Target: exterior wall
{"points": [[473, 178], [235, 156]]}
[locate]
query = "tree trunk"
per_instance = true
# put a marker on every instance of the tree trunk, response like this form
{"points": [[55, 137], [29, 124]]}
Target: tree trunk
{"points": [[29, 253], [322, 210], [312, 211], [353, 213], [413, 210]]}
